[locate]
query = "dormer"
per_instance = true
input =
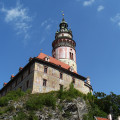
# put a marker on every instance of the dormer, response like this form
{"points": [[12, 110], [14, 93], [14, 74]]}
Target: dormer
{"points": [[71, 69], [47, 58], [88, 80]]}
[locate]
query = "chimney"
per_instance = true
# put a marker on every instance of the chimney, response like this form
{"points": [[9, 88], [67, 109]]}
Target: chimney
{"points": [[20, 68], [30, 59], [4, 84], [110, 117], [12, 76]]}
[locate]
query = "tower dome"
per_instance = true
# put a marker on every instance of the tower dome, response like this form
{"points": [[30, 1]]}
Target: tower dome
{"points": [[64, 45]]}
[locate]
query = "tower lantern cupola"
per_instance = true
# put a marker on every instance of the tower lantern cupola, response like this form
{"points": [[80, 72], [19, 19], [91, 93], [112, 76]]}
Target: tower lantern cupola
{"points": [[64, 45], [63, 26]]}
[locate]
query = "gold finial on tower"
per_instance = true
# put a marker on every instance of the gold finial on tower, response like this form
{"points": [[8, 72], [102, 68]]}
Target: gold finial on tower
{"points": [[62, 13]]}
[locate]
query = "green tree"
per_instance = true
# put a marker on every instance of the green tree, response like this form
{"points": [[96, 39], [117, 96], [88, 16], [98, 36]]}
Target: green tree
{"points": [[108, 103]]}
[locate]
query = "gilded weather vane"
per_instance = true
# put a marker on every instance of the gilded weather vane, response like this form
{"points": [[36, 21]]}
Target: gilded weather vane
{"points": [[62, 13]]}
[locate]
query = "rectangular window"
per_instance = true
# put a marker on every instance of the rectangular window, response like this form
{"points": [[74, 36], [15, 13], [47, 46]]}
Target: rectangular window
{"points": [[73, 80], [21, 88], [45, 69], [15, 83], [27, 84], [22, 78], [10, 87], [61, 75], [28, 71], [71, 56], [61, 87], [44, 82]]}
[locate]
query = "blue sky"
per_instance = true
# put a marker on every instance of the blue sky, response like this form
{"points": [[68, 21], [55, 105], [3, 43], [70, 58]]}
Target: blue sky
{"points": [[26, 26]]}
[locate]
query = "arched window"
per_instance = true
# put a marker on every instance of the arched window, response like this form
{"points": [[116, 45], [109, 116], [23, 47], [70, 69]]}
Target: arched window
{"points": [[71, 56]]}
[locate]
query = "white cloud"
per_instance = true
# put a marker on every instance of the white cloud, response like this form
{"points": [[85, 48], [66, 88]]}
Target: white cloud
{"points": [[42, 40], [116, 19], [48, 27], [44, 22], [47, 24], [19, 18], [88, 2], [100, 8]]}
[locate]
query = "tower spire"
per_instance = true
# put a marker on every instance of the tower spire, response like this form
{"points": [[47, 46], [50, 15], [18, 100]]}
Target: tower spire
{"points": [[64, 45]]}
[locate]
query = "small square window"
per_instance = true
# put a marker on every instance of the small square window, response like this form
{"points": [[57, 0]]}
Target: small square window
{"points": [[44, 82], [22, 78], [61, 75], [27, 84], [45, 69], [29, 71], [73, 80]]}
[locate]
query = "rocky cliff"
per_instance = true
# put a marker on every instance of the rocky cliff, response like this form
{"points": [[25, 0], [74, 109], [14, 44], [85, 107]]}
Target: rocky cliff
{"points": [[65, 110]]}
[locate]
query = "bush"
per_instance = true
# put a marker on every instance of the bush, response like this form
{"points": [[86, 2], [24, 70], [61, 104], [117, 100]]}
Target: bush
{"points": [[70, 93], [37, 101], [21, 116], [12, 95]]}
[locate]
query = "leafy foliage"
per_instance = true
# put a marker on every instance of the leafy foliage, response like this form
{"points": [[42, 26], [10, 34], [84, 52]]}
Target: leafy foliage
{"points": [[69, 94], [99, 104], [12, 95], [108, 103], [37, 101], [23, 116]]}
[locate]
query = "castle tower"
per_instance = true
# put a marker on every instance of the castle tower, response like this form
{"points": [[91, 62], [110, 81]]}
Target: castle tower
{"points": [[64, 45]]}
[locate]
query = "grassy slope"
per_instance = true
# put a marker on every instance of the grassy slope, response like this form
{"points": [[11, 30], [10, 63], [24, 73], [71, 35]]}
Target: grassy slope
{"points": [[33, 102]]}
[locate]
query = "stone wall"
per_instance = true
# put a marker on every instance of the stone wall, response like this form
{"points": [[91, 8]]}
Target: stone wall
{"points": [[33, 76], [53, 80], [20, 81]]}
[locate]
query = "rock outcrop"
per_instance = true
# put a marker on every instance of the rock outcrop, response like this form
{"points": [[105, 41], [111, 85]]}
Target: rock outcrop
{"points": [[65, 110]]}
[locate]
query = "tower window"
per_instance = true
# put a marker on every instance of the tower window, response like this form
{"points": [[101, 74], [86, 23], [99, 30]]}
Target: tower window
{"points": [[44, 82], [71, 56], [45, 69], [61, 75]]}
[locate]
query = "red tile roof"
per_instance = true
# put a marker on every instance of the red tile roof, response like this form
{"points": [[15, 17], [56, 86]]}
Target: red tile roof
{"points": [[98, 118], [54, 61]]}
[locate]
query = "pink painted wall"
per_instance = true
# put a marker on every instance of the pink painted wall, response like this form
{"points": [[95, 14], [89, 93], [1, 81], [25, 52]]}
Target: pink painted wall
{"points": [[64, 53]]}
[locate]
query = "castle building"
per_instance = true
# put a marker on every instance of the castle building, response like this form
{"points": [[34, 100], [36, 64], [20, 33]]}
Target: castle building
{"points": [[45, 73]]}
